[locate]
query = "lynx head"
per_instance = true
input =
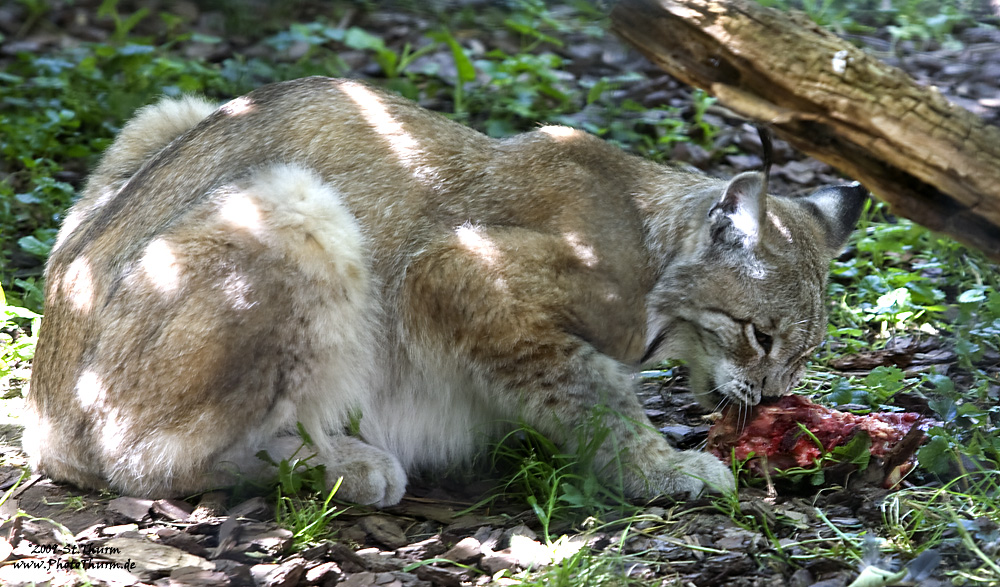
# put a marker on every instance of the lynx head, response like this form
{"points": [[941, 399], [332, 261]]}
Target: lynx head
{"points": [[744, 303]]}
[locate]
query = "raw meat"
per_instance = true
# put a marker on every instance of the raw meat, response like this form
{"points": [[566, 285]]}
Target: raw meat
{"points": [[772, 431]]}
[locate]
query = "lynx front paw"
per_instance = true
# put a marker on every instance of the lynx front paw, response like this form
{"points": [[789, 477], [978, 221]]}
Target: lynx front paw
{"points": [[371, 475], [682, 473], [697, 472]]}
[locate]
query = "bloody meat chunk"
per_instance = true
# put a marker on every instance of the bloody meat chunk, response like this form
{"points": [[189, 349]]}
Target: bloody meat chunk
{"points": [[772, 431]]}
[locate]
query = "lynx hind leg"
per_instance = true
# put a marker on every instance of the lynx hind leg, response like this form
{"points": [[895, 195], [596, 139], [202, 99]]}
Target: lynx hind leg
{"points": [[254, 312], [367, 475], [291, 210], [296, 209], [370, 475]]}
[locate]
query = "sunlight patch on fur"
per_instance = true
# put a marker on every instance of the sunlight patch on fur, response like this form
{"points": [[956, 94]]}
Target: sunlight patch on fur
{"points": [[240, 105], [237, 290], [406, 148], [77, 214], [90, 389], [778, 224], [72, 222], [560, 133], [584, 252], [160, 265], [106, 196], [78, 285], [112, 433], [745, 222], [477, 244], [241, 211]]}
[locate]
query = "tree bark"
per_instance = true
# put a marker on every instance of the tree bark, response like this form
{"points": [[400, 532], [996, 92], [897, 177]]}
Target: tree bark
{"points": [[933, 162]]}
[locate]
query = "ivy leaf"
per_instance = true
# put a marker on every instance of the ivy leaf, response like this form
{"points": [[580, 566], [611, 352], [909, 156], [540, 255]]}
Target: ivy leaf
{"points": [[572, 495], [360, 39], [843, 393], [857, 451], [32, 245], [888, 378], [972, 296], [885, 382], [944, 407], [935, 456]]}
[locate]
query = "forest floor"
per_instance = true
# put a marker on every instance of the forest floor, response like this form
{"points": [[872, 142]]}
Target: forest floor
{"points": [[442, 533]]}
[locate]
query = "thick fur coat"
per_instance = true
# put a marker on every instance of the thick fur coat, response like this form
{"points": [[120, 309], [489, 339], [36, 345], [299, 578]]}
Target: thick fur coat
{"points": [[319, 248]]}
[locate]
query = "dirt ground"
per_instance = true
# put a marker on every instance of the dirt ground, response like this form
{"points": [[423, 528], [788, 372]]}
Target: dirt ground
{"points": [[217, 539]]}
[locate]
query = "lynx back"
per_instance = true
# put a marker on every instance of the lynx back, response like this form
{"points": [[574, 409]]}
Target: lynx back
{"points": [[319, 250]]}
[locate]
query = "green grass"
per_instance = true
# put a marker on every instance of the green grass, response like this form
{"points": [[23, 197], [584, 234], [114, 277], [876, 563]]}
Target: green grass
{"points": [[308, 516], [560, 486], [304, 504], [584, 567]]}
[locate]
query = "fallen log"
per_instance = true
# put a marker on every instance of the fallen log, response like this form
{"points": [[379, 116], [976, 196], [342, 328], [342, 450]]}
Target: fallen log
{"points": [[932, 161]]}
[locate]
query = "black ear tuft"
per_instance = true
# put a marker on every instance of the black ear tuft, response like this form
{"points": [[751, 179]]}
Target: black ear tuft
{"points": [[838, 208], [767, 154]]}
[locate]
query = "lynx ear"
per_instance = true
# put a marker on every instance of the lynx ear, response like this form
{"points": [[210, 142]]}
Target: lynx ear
{"points": [[736, 219], [838, 209]]}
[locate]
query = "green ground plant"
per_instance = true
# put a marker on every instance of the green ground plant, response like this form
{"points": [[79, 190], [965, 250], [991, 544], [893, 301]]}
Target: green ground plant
{"points": [[308, 517], [304, 504], [584, 567], [59, 112], [560, 486], [922, 21], [18, 336]]}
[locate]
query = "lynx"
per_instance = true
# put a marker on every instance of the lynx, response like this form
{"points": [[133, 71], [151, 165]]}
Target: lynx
{"points": [[320, 251]]}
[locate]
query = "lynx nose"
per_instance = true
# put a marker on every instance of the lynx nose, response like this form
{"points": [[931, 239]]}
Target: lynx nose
{"points": [[751, 392]]}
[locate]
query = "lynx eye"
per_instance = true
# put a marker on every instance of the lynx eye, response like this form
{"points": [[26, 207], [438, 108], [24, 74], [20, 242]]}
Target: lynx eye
{"points": [[765, 340]]}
